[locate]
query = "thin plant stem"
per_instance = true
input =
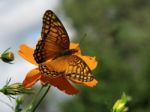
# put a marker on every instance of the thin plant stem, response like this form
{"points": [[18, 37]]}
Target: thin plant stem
{"points": [[32, 106], [41, 99], [29, 107], [38, 93]]}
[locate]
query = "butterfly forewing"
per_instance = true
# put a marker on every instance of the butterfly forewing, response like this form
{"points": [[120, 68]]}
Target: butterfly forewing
{"points": [[54, 38]]}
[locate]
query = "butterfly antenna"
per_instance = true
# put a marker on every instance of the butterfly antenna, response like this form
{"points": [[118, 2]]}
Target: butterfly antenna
{"points": [[82, 39]]}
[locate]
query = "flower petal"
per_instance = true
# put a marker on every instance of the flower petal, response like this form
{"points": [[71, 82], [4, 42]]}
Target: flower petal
{"points": [[90, 84], [61, 83], [27, 53], [90, 61], [31, 78]]}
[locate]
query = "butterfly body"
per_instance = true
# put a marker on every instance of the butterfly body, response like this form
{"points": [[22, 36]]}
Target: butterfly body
{"points": [[68, 52], [53, 55]]}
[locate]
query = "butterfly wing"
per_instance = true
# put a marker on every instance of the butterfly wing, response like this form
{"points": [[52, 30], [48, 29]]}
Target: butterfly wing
{"points": [[72, 67], [54, 38]]}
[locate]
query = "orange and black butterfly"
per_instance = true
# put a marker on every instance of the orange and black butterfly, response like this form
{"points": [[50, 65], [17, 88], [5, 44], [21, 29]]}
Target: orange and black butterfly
{"points": [[53, 55]]}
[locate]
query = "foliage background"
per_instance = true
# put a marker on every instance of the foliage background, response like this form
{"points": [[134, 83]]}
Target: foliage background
{"points": [[118, 35]]}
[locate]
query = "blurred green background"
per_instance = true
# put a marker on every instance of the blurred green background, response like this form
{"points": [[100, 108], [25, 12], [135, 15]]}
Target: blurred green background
{"points": [[118, 34]]}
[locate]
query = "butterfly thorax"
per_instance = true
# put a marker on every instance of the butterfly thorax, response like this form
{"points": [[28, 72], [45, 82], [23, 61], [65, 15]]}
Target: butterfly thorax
{"points": [[68, 52]]}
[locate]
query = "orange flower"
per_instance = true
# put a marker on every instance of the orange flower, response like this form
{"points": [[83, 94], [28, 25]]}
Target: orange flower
{"points": [[61, 82]]}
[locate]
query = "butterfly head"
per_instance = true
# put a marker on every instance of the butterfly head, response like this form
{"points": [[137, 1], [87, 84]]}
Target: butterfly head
{"points": [[73, 51], [69, 52]]}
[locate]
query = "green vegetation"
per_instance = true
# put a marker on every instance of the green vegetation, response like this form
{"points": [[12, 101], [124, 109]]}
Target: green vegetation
{"points": [[118, 35]]}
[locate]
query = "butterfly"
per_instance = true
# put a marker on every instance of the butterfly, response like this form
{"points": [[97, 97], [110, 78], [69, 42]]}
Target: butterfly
{"points": [[53, 55]]}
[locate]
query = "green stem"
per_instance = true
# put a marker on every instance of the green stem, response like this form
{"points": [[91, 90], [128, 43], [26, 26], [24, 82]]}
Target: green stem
{"points": [[41, 99], [31, 104], [36, 96]]}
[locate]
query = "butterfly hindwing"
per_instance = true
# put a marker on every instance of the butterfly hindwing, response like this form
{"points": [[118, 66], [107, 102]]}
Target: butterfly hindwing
{"points": [[72, 67], [78, 70], [49, 71], [54, 38]]}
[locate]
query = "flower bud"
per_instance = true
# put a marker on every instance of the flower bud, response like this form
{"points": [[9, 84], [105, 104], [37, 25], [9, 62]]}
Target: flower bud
{"points": [[119, 105], [7, 56], [15, 89]]}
